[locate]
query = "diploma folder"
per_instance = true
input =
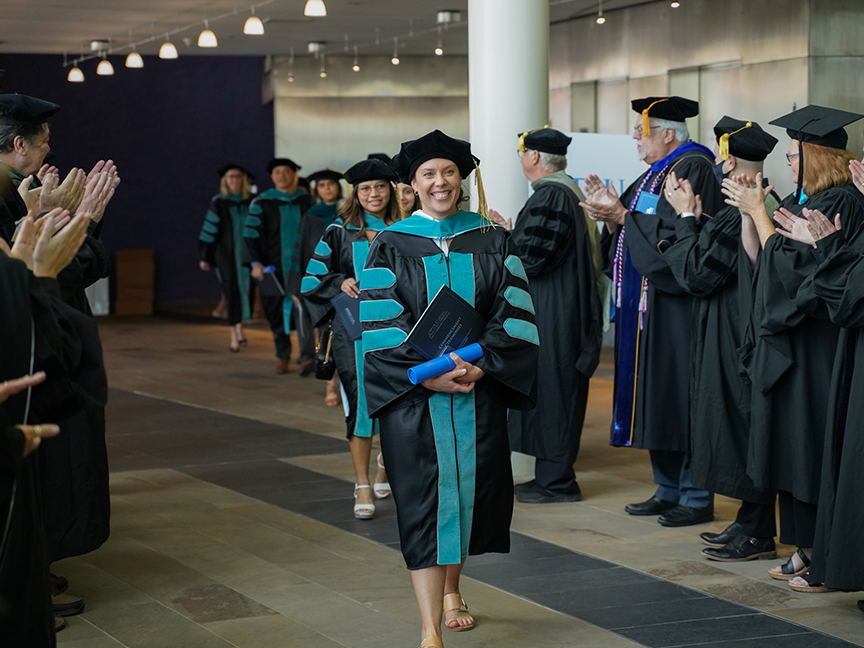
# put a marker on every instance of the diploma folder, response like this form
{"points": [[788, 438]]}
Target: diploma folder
{"points": [[448, 323], [348, 310]]}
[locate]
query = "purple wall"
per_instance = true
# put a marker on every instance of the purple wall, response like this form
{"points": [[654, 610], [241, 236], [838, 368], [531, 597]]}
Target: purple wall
{"points": [[168, 127]]}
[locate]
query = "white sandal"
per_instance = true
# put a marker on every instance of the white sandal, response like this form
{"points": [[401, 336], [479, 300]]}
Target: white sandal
{"points": [[363, 511], [381, 490]]}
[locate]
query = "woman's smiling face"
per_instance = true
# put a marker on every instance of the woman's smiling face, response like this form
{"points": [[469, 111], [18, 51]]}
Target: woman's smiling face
{"points": [[438, 184]]}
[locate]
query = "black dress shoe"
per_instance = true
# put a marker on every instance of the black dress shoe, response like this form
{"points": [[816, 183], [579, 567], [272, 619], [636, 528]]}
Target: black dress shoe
{"points": [[741, 549], [723, 538], [653, 506], [682, 516], [59, 584], [59, 623], [535, 494]]}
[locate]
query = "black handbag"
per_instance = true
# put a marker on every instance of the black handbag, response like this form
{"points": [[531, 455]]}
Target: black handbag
{"points": [[325, 368]]}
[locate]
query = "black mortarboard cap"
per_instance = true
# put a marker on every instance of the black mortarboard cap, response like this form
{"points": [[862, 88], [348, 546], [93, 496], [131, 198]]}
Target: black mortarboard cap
{"points": [[383, 157], [325, 174], [546, 140], [369, 170], [818, 125], [743, 139], [20, 109], [272, 164], [225, 168], [670, 108], [429, 147]]}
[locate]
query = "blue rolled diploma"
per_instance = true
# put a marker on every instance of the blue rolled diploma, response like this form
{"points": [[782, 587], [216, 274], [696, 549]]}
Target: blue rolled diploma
{"points": [[442, 365]]}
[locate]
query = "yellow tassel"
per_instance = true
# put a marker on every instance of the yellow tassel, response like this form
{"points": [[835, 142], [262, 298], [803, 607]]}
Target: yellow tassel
{"points": [[724, 141], [522, 148], [646, 122], [482, 206]]}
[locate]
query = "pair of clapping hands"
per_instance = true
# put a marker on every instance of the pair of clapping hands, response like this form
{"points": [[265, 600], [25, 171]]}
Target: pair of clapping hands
{"points": [[49, 244], [33, 434], [79, 193]]}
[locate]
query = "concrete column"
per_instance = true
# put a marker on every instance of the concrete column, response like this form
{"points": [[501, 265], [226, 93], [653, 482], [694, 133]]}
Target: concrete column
{"points": [[508, 92]]}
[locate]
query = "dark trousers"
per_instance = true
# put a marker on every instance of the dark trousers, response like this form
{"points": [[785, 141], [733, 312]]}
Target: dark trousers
{"points": [[273, 310], [797, 521], [672, 476], [555, 475], [305, 334], [757, 520]]}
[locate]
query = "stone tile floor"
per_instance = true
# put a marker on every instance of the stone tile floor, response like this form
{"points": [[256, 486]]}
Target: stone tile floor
{"points": [[232, 526]]}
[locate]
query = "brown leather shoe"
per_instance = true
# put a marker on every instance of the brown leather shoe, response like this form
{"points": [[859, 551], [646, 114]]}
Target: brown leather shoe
{"points": [[282, 367]]}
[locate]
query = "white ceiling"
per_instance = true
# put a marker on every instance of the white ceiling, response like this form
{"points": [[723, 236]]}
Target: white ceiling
{"points": [[58, 26]]}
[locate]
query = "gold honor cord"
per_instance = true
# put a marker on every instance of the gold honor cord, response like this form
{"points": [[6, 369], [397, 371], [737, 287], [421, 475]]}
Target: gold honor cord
{"points": [[636, 368], [482, 205], [646, 122], [724, 141]]}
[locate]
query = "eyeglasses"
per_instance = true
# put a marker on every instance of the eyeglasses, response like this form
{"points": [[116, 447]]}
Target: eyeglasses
{"points": [[365, 190], [791, 156]]}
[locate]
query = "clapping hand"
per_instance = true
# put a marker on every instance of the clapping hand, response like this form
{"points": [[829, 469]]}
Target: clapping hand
{"points": [[679, 194], [498, 219], [602, 202], [33, 434], [745, 194], [857, 169], [98, 191], [67, 196], [794, 227], [54, 249]]}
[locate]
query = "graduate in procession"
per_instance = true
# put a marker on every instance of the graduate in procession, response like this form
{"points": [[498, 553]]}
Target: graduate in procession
{"points": [[272, 244], [653, 313], [559, 248], [789, 351], [221, 247], [337, 262], [712, 260], [444, 440]]}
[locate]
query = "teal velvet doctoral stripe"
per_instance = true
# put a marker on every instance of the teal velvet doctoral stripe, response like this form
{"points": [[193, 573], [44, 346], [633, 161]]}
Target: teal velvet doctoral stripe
{"points": [[376, 278], [382, 338], [436, 275], [322, 249], [449, 509], [207, 238], [523, 330], [253, 221], [514, 264], [363, 425], [462, 275], [309, 283], [250, 233], [210, 216], [315, 267], [289, 223], [519, 298], [210, 227], [359, 252], [458, 223], [239, 214], [379, 310]]}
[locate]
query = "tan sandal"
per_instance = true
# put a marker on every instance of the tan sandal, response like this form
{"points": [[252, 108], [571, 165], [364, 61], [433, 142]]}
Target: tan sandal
{"points": [[432, 642], [453, 602]]}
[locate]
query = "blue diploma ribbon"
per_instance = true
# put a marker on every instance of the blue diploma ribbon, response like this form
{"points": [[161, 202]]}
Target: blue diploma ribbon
{"points": [[442, 365]]}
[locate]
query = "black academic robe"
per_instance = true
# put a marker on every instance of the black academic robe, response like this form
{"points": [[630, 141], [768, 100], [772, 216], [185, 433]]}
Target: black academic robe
{"points": [[12, 207], [653, 325], [789, 356], [710, 263], [221, 244], [447, 455], [272, 238], [551, 237], [341, 254], [62, 347], [835, 289], [313, 224]]}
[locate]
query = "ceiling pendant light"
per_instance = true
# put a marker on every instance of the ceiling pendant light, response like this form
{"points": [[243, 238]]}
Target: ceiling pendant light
{"points": [[104, 68], [395, 59], [323, 72], [253, 25], [356, 66], [207, 38], [439, 51], [675, 4], [315, 8], [167, 51], [600, 18], [291, 66], [133, 58], [75, 74]]}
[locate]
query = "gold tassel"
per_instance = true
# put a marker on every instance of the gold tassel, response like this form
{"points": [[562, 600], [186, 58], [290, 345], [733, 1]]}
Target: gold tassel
{"points": [[724, 141], [646, 122], [482, 206]]}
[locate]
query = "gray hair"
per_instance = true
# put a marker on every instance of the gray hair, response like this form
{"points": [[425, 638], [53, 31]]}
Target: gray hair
{"points": [[8, 133], [552, 162], [680, 128]]}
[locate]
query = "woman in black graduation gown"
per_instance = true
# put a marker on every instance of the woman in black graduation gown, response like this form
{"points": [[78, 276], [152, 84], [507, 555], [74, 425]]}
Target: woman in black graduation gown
{"points": [[408, 200], [220, 246], [333, 270], [789, 353], [445, 440]]}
